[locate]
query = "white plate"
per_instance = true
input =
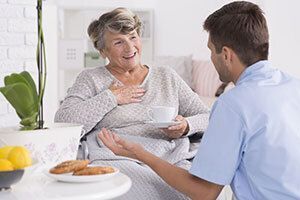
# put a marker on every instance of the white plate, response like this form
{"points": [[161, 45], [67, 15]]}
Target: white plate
{"points": [[162, 124], [68, 177]]}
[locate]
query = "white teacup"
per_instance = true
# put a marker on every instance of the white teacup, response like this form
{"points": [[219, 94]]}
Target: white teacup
{"points": [[162, 113]]}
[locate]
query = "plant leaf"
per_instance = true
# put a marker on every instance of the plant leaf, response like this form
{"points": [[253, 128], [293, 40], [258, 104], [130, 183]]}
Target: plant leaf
{"points": [[30, 123], [14, 78], [30, 81], [31, 84], [21, 98], [23, 77]]}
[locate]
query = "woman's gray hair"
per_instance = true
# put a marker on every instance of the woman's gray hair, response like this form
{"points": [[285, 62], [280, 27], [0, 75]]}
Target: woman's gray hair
{"points": [[119, 20]]}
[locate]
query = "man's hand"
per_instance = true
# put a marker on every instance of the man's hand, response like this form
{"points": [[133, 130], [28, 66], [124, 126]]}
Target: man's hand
{"points": [[178, 130], [118, 145], [177, 177], [127, 94]]}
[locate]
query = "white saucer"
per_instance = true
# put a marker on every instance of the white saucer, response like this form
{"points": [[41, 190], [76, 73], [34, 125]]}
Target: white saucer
{"points": [[162, 124]]}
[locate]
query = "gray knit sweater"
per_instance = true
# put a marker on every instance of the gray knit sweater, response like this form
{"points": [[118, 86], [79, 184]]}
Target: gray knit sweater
{"points": [[91, 103]]}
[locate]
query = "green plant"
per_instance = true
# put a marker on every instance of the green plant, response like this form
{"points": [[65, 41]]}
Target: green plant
{"points": [[20, 89]]}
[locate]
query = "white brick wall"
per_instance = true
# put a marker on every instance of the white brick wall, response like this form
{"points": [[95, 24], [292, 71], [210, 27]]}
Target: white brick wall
{"points": [[3, 108], [9, 66], [21, 52], [8, 11], [30, 12], [22, 25], [17, 47], [3, 53], [30, 39], [31, 67], [22, 2], [11, 39], [3, 25]]}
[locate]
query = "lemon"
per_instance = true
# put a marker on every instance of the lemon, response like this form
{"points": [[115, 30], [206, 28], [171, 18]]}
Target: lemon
{"points": [[4, 151], [5, 165], [19, 156]]}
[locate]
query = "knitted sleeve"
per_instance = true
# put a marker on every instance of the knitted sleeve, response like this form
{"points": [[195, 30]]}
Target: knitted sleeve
{"points": [[84, 105]]}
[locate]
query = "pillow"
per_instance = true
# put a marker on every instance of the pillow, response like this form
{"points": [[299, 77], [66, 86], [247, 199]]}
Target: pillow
{"points": [[208, 101], [205, 78], [181, 64]]}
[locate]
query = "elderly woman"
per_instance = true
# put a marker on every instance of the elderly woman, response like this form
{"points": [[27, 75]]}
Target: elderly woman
{"points": [[118, 97]]}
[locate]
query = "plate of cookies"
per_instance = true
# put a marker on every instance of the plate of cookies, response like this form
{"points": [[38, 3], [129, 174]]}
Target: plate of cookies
{"points": [[79, 171]]}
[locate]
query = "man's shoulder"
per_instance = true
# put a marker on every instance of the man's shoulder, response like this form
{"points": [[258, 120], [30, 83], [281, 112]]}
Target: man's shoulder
{"points": [[236, 98], [233, 95]]}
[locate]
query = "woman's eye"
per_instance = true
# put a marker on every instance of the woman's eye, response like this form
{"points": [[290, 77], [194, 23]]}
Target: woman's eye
{"points": [[133, 37], [117, 43]]}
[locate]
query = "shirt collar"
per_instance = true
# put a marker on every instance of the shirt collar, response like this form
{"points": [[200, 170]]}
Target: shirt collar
{"points": [[253, 69]]}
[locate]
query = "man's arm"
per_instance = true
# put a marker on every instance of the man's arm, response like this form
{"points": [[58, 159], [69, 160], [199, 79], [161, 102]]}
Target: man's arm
{"points": [[180, 179]]}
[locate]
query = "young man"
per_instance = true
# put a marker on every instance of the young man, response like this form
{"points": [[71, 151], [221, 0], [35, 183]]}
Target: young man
{"points": [[253, 138]]}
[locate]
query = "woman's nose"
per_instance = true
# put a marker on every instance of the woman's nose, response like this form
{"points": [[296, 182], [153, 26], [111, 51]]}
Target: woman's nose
{"points": [[129, 46]]}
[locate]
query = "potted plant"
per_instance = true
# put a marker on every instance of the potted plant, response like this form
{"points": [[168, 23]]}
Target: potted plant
{"points": [[54, 143]]}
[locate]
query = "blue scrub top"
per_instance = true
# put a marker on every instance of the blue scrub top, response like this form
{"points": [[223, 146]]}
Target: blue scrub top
{"points": [[253, 138]]}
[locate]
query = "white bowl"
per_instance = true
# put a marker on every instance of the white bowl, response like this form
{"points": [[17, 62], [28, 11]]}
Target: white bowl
{"points": [[57, 143], [32, 169]]}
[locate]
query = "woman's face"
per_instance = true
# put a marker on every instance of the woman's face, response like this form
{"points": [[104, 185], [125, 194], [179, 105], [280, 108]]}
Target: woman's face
{"points": [[122, 51]]}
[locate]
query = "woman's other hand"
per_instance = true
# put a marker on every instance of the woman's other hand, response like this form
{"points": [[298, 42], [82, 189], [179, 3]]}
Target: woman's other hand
{"points": [[178, 130], [118, 145], [127, 94]]}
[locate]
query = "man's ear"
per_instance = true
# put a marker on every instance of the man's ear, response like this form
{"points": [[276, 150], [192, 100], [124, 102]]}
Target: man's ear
{"points": [[227, 54]]}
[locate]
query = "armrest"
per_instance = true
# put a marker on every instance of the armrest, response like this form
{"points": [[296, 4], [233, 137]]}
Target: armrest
{"points": [[196, 137], [85, 150]]}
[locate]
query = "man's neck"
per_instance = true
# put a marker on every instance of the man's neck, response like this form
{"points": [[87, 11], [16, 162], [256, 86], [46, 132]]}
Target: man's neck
{"points": [[238, 69]]}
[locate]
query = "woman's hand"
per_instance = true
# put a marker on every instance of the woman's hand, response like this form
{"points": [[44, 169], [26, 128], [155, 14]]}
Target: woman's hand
{"points": [[127, 94], [178, 130], [118, 145]]}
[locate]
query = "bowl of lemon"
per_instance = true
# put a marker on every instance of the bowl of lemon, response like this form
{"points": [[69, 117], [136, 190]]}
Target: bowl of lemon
{"points": [[13, 161]]}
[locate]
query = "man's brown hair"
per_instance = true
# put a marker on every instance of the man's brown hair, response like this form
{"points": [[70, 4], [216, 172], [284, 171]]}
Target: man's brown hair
{"points": [[242, 27]]}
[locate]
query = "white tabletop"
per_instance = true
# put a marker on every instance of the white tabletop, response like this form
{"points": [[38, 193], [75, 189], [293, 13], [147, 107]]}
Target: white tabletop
{"points": [[41, 187]]}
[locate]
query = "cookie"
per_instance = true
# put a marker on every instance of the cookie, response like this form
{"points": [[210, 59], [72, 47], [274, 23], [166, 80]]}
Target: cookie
{"points": [[69, 166], [94, 171]]}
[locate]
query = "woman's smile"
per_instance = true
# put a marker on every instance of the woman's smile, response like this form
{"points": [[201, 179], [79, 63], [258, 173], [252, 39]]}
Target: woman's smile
{"points": [[130, 56]]}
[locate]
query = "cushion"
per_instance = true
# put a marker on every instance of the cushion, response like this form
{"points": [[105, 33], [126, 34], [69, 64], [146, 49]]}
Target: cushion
{"points": [[205, 79], [229, 87], [181, 64], [208, 101]]}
